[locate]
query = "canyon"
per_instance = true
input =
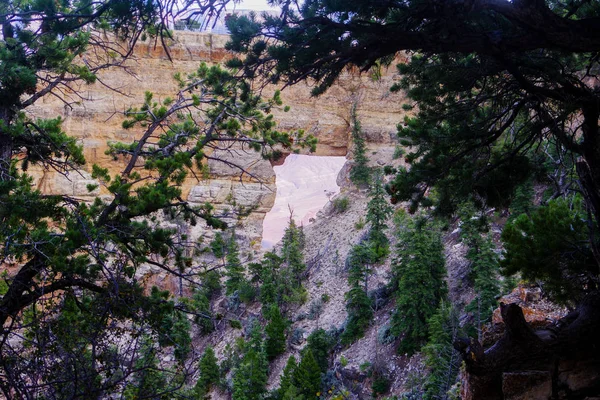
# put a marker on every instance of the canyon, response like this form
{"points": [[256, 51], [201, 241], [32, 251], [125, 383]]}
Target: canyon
{"points": [[95, 119]]}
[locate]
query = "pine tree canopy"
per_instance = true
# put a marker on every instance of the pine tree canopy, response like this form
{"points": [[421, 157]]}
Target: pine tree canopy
{"points": [[78, 260], [496, 89], [419, 271]]}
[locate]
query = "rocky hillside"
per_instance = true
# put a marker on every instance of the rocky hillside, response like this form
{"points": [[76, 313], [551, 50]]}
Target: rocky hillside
{"points": [[96, 118]]}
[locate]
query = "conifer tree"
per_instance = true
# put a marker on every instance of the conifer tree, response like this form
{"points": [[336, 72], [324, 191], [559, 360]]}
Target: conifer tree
{"points": [[209, 373], [320, 344], [484, 263], [275, 331], [307, 377], [291, 248], [218, 246], [378, 212], [522, 201], [358, 303], [200, 305], [418, 273], [441, 358], [287, 378], [250, 378], [92, 247], [360, 173], [292, 393], [267, 275], [149, 380], [484, 267], [551, 245], [234, 270]]}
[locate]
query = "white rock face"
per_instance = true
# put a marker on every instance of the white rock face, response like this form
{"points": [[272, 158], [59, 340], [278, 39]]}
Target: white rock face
{"points": [[303, 185]]}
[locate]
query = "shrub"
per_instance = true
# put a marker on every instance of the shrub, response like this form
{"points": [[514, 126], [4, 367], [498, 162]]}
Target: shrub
{"points": [[315, 309], [341, 204], [234, 323], [398, 152], [360, 224], [297, 336], [381, 385]]}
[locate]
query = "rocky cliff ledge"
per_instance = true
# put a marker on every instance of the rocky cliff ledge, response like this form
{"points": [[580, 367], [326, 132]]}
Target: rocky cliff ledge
{"points": [[96, 118]]}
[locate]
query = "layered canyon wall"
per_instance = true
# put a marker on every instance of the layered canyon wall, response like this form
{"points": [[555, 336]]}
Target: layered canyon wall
{"points": [[95, 119]]}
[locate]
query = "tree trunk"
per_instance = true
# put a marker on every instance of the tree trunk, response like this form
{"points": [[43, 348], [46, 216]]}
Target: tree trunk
{"points": [[6, 143], [588, 170], [574, 339]]}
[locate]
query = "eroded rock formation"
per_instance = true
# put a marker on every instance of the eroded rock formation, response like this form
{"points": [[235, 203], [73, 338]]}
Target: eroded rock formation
{"points": [[96, 118]]}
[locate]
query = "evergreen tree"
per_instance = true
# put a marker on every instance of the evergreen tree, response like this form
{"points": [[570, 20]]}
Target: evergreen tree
{"points": [[291, 249], [320, 344], [307, 377], [203, 317], [360, 173], [209, 373], [418, 273], [292, 393], [442, 360], [551, 245], [378, 212], [149, 381], [250, 378], [484, 263], [287, 378], [475, 122], [475, 129], [92, 247], [267, 275], [358, 303], [179, 335], [484, 267], [234, 270], [522, 202], [275, 331], [218, 245]]}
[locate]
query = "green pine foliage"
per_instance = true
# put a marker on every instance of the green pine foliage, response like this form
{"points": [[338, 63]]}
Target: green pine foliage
{"points": [[275, 333], [287, 378], [360, 261], [199, 305], [234, 270], [218, 246], [209, 373], [378, 213], [149, 380], [293, 393], [291, 251], [485, 271], [92, 249], [360, 174], [250, 376], [418, 275], [279, 278], [522, 202], [442, 360], [484, 263], [307, 376], [320, 344], [481, 121], [358, 303], [551, 246]]}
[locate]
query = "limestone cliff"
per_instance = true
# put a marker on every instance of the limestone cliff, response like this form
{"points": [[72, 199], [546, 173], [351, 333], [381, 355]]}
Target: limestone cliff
{"points": [[95, 118]]}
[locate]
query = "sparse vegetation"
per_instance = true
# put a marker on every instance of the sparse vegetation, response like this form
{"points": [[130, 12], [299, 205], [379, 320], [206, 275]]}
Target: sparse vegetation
{"points": [[341, 204]]}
